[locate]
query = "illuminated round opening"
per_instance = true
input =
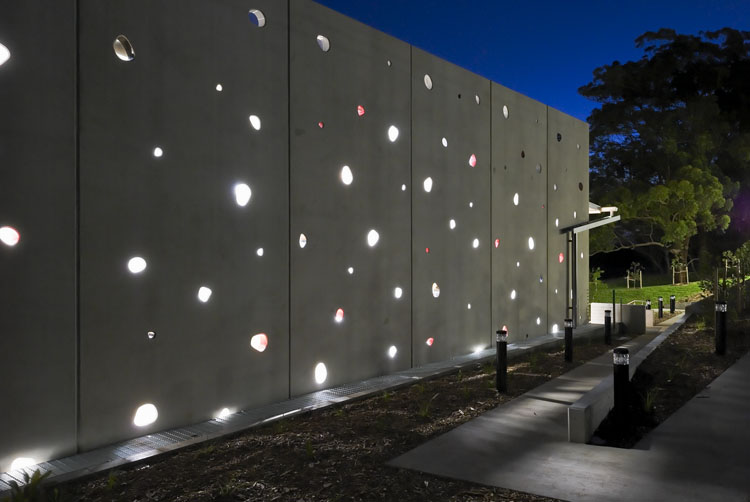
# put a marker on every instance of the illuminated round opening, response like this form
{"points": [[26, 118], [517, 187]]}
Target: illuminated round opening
{"points": [[560, 258], [427, 184], [257, 18], [582, 256], [435, 290], [360, 110], [403, 188], [555, 290], [397, 293], [321, 125], [555, 328], [497, 243], [136, 265], [428, 82], [388, 62], [557, 222], [473, 160], [151, 335], [204, 294], [9, 236], [224, 413], [242, 194], [123, 48], [302, 240], [427, 250], [219, 88], [158, 152], [452, 224], [259, 342], [321, 373], [471, 204], [541, 278], [475, 243], [518, 264], [372, 237], [513, 294], [346, 175], [531, 243], [538, 321], [339, 316], [259, 252], [255, 122], [476, 98], [444, 141], [4, 54], [430, 341], [505, 111], [392, 351], [554, 187], [21, 463], [325, 46], [575, 214], [468, 306], [350, 270], [393, 133], [515, 199], [145, 415]]}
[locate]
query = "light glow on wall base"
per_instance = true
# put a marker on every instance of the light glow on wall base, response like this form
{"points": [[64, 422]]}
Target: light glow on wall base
{"points": [[242, 194], [392, 351], [372, 238], [257, 18], [136, 265], [146, 414], [123, 48], [339, 317], [9, 236], [21, 463], [555, 328], [321, 373], [393, 133], [427, 184], [259, 342], [255, 122], [397, 293], [4, 54], [204, 294], [323, 43], [224, 413], [346, 175], [435, 289]]}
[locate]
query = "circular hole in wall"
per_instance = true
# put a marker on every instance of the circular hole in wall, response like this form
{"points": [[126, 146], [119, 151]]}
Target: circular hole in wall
{"points": [[242, 194], [123, 48], [346, 175], [219, 87], [339, 316], [505, 111], [393, 133], [323, 43], [435, 289], [372, 237], [4, 54], [360, 110], [397, 293], [151, 335], [427, 184], [255, 122], [204, 294], [473, 160], [452, 224], [523, 154], [513, 294], [580, 186], [444, 142], [257, 18], [136, 265], [475, 243], [515, 199], [559, 137], [146, 414], [392, 351], [9, 236], [430, 341], [302, 240], [259, 342], [428, 82], [321, 373], [476, 98]]}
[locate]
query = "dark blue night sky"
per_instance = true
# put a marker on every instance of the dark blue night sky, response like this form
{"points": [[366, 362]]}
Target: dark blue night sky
{"points": [[543, 49]]}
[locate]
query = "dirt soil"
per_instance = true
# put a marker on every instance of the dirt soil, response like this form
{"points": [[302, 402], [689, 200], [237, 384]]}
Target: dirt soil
{"points": [[338, 453], [678, 370]]}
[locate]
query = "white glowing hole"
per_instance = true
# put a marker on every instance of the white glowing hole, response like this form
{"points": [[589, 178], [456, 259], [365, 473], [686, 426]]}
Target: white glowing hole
{"points": [[538, 321], [372, 238], [478, 349], [397, 293], [518, 264], [350, 270], [557, 222], [555, 328], [204, 294], [403, 188], [427, 184], [452, 224], [4, 54], [513, 295], [445, 142], [321, 373], [259, 252], [471, 204], [158, 152], [531, 243], [476, 98], [255, 122], [145, 415], [393, 133], [302, 240], [339, 315], [219, 88], [554, 187], [259, 342], [555, 290], [123, 48], [346, 175], [515, 199], [505, 111], [468, 306], [21, 462], [473, 160], [475, 243], [392, 351], [136, 265], [242, 194], [575, 214], [325, 46], [582, 256], [224, 413], [9, 236], [435, 289], [428, 82]]}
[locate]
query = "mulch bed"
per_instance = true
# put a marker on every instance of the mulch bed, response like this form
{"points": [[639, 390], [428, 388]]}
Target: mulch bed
{"points": [[678, 370], [337, 453]]}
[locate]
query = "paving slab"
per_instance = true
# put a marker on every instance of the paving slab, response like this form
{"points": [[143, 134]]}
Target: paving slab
{"points": [[700, 453]]}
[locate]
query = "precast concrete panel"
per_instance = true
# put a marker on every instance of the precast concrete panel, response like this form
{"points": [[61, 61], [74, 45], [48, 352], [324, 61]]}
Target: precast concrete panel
{"points": [[450, 209], [350, 178], [37, 230], [519, 214], [183, 164], [568, 191]]}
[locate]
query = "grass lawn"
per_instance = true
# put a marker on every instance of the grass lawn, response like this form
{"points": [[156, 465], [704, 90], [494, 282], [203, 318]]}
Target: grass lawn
{"points": [[604, 292]]}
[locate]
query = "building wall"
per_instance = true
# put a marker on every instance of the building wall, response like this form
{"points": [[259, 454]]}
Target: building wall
{"points": [[87, 192]]}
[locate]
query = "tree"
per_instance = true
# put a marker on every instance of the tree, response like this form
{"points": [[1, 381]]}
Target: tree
{"points": [[670, 143]]}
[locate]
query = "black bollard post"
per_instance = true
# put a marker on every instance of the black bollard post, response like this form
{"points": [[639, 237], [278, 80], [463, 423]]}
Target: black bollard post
{"points": [[568, 340], [608, 327], [621, 375], [501, 378], [721, 328], [671, 304], [661, 307], [648, 304]]}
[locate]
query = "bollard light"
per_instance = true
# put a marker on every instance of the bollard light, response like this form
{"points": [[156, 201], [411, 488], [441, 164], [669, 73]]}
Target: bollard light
{"points": [[568, 339], [608, 327], [621, 356], [501, 377], [648, 304], [720, 335], [661, 307], [621, 378], [721, 306], [671, 304]]}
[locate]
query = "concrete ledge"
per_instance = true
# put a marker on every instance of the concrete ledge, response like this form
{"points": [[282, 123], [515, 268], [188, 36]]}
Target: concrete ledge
{"points": [[585, 415]]}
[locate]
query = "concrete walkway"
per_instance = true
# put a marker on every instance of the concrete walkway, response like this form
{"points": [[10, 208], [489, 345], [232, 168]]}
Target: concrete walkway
{"points": [[700, 453]]}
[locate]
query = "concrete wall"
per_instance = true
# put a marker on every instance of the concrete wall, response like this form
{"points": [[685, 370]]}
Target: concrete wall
{"points": [[88, 194]]}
